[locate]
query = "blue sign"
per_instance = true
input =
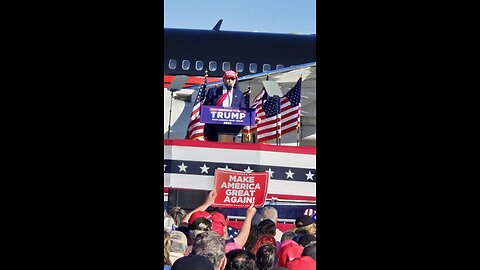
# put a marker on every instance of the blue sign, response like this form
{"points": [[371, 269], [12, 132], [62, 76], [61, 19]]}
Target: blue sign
{"points": [[227, 116]]}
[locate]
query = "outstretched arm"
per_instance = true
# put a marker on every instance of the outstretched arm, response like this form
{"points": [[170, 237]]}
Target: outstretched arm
{"points": [[209, 201], [242, 237]]}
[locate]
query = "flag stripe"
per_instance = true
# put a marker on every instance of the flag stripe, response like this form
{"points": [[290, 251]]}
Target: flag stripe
{"points": [[195, 129]]}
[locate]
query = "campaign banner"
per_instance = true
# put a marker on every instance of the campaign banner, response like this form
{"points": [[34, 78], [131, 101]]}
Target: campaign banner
{"points": [[227, 116], [237, 189]]}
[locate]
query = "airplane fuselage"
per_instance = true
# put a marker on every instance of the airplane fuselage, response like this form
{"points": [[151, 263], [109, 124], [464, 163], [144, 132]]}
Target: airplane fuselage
{"points": [[191, 52]]}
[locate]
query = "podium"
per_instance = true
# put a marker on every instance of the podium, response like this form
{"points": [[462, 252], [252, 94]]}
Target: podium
{"points": [[227, 121], [225, 138]]}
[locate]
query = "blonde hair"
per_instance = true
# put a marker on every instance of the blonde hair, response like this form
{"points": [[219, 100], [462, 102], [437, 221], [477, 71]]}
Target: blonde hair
{"points": [[309, 229], [166, 248]]}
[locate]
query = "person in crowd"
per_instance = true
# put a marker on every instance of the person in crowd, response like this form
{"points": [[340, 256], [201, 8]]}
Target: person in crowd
{"points": [[306, 240], [311, 251], [168, 223], [198, 225], [226, 95], [166, 247], [240, 259], [305, 225], [219, 224], [266, 257], [264, 227], [232, 232], [288, 235], [177, 214], [218, 220], [178, 245], [211, 245], [193, 262], [232, 246], [269, 212], [267, 226], [302, 263], [289, 252], [252, 238], [266, 239]]}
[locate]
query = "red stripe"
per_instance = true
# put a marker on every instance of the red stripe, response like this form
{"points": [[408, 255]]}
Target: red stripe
{"points": [[308, 150], [272, 129], [198, 127], [266, 122], [272, 195], [268, 138], [191, 80], [292, 197]]}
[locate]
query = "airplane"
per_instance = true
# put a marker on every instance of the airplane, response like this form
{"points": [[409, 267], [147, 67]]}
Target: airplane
{"points": [[254, 55]]}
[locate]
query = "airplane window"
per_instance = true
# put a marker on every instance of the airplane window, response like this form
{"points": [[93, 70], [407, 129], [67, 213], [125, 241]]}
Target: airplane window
{"points": [[199, 65], [226, 66], [279, 66], [212, 65], [239, 67], [172, 64], [253, 68], [186, 64], [266, 67]]}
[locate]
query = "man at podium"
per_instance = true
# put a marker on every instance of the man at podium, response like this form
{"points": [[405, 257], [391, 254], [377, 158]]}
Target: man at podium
{"points": [[226, 95]]}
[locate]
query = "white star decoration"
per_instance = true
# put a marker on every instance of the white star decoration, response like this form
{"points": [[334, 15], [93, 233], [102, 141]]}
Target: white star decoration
{"points": [[182, 167], [248, 169], [164, 166], [270, 172], [290, 174], [204, 168]]}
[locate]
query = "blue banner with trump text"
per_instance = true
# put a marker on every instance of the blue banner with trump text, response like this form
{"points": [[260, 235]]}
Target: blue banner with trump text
{"points": [[227, 116]]}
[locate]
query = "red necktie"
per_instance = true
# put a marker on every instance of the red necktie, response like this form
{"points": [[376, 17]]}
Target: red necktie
{"points": [[222, 98]]}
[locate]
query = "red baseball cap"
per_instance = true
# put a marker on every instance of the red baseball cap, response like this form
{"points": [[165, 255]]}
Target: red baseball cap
{"points": [[302, 263], [218, 223], [229, 74], [199, 214], [289, 252]]}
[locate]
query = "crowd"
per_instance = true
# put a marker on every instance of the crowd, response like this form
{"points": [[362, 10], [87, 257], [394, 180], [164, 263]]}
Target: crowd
{"points": [[202, 240]]}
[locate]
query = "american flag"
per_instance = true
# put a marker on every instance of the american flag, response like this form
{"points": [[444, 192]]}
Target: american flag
{"points": [[195, 127], [289, 114], [257, 105], [291, 108], [270, 120]]}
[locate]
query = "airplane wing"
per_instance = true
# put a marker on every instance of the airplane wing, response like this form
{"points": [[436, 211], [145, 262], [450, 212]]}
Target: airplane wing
{"points": [[286, 79]]}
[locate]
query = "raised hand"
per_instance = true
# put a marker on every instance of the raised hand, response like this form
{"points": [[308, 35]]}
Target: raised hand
{"points": [[251, 210], [211, 197]]}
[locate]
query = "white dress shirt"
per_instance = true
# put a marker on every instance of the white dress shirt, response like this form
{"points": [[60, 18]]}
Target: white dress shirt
{"points": [[228, 101]]}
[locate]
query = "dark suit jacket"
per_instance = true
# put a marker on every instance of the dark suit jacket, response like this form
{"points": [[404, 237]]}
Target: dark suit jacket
{"points": [[215, 93], [211, 131]]}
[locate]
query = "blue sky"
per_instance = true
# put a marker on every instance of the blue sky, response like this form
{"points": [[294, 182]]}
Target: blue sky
{"points": [[275, 16]]}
